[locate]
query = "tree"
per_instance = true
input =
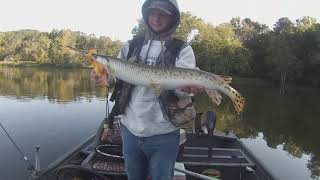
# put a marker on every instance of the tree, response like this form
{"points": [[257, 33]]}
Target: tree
{"points": [[283, 59], [2, 46], [56, 47], [305, 23], [283, 25], [140, 28], [254, 37]]}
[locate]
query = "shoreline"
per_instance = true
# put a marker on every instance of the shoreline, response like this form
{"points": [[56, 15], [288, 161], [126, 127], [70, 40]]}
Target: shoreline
{"points": [[42, 64]]}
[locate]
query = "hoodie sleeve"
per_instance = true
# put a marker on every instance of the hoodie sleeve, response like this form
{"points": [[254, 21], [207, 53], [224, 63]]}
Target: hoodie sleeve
{"points": [[124, 51], [186, 58]]}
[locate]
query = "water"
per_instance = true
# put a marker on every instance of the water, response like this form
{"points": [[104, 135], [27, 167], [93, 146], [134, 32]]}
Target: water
{"points": [[58, 108]]}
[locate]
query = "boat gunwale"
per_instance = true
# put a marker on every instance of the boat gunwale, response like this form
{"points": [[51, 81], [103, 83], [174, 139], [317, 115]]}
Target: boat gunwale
{"points": [[67, 155]]}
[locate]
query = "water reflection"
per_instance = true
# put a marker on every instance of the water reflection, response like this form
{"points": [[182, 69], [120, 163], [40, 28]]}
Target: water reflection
{"points": [[56, 85], [289, 122], [286, 123], [54, 108]]}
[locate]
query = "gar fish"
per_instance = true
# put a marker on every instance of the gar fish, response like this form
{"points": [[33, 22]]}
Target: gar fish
{"points": [[166, 78]]}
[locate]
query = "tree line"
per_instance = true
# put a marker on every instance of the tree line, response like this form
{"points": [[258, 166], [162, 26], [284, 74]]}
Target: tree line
{"points": [[50, 47], [290, 51]]}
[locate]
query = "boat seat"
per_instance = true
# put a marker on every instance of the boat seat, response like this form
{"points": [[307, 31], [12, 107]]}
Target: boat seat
{"points": [[202, 156]]}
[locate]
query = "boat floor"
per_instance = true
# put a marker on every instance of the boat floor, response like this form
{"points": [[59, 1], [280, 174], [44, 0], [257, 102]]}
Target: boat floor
{"points": [[224, 153]]}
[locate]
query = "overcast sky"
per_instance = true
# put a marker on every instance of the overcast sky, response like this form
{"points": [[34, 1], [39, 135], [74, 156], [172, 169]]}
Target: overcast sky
{"points": [[116, 18]]}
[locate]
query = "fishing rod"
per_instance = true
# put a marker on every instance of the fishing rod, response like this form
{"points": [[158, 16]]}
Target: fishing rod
{"points": [[34, 169], [24, 157]]}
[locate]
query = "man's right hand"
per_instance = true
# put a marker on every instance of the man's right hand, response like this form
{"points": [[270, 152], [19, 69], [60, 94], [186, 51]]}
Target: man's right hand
{"points": [[99, 80]]}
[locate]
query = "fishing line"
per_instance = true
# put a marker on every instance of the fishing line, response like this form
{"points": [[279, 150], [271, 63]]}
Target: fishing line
{"points": [[107, 103], [16, 146]]}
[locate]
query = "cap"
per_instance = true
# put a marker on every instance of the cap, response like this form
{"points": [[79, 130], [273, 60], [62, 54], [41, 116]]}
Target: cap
{"points": [[164, 6]]}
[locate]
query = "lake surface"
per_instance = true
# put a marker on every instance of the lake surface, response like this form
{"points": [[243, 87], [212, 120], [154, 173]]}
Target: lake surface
{"points": [[58, 108]]}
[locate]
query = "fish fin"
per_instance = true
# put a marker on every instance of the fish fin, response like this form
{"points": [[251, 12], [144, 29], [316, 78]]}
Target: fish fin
{"points": [[156, 87], [238, 101], [181, 93], [214, 95], [227, 79], [90, 55], [98, 67]]}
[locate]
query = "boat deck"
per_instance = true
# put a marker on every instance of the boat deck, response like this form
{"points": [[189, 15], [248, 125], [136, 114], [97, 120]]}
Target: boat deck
{"points": [[224, 153]]}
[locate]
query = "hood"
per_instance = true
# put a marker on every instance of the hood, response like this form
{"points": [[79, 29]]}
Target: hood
{"points": [[165, 35]]}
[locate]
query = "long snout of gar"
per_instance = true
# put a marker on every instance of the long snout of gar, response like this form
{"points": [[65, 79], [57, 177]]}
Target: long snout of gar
{"points": [[167, 78]]}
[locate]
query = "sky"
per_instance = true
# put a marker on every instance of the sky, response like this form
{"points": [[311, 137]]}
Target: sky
{"points": [[116, 18]]}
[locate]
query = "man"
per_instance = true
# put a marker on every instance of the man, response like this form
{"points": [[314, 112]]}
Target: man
{"points": [[150, 139]]}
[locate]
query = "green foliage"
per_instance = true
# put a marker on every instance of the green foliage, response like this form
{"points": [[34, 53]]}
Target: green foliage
{"points": [[140, 28], [283, 25], [290, 51], [1, 44], [293, 51], [217, 49], [35, 46]]}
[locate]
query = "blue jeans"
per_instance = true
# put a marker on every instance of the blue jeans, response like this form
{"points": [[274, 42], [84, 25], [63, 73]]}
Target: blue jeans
{"points": [[154, 156]]}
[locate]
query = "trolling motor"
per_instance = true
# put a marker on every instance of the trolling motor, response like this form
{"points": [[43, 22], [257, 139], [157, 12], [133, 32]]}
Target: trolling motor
{"points": [[210, 125], [197, 124], [210, 122]]}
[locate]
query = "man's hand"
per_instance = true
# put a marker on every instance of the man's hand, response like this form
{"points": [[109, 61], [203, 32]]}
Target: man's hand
{"points": [[192, 90], [99, 80], [214, 95]]}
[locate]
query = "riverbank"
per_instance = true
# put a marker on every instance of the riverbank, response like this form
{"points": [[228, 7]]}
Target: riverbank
{"points": [[236, 80], [42, 64]]}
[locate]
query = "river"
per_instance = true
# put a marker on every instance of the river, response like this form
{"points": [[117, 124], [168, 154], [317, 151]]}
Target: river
{"points": [[58, 108]]}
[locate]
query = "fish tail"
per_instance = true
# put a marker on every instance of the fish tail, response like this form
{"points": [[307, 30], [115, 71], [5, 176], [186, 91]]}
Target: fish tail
{"points": [[238, 101]]}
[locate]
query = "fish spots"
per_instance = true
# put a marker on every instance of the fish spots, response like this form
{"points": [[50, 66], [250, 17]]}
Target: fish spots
{"points": [[220, 83], [238, 102], [227, 87], [234, 93], [216, 79]]}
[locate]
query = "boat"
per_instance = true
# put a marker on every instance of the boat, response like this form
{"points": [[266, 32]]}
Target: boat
{"points": [[204, 154]]}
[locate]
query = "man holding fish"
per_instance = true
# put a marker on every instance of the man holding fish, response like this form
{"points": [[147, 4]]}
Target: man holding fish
{"points": [[150, 137]]}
